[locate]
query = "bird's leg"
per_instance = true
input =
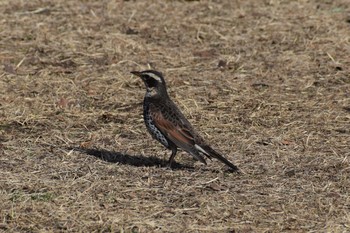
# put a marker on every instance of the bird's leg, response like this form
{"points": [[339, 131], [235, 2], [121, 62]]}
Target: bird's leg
{"points": [[172, 156]]}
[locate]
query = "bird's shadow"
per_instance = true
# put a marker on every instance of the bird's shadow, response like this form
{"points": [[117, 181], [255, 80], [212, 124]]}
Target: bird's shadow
{"points": [[126, 159]]}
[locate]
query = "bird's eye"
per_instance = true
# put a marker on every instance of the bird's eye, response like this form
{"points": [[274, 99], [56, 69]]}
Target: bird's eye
{"points": [[151, 82]]}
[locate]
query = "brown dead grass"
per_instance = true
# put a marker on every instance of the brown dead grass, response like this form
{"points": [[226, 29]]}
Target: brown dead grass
{"points": [[266, 82]]}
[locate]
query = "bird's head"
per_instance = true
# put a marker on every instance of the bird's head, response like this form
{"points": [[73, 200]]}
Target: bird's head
{"points": [[153, 80]]}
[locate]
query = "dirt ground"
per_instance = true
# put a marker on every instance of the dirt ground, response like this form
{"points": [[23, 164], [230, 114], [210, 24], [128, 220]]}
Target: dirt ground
{"points": [[267, 83]]}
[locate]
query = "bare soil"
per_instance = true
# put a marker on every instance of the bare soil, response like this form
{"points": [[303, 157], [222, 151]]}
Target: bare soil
{"points": [[267, 83]]}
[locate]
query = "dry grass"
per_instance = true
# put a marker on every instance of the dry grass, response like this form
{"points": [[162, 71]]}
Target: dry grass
{"points": [[267, 82]]}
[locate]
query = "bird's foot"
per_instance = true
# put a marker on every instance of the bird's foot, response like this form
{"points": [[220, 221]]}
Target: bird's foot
{"points": [[169, 165]]}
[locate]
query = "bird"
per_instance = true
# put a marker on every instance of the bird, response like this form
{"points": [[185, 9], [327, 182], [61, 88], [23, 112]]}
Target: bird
{"points": [[167, 124]]}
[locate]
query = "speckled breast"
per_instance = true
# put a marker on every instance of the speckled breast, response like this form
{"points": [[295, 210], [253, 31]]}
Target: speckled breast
{"points": [[152, 129]]}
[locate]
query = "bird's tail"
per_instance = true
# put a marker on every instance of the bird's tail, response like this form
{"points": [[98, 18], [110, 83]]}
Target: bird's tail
{"points": [[211, 153]]}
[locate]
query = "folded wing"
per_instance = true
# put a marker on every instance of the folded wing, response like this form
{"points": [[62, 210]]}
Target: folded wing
{"points": [[180, 135], [183, 135]]}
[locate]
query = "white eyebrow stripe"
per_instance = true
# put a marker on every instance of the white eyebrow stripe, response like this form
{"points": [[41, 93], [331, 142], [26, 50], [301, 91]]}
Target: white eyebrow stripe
{"points": [[156, 77]]}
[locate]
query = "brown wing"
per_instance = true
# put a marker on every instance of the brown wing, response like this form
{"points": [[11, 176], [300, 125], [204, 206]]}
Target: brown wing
{"points": [[171, 122], [178, 133]]}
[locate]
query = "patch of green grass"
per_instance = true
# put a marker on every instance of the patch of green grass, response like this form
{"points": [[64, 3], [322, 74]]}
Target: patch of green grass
{"points": [[16, 196], [46, 197], [20, 196]]}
